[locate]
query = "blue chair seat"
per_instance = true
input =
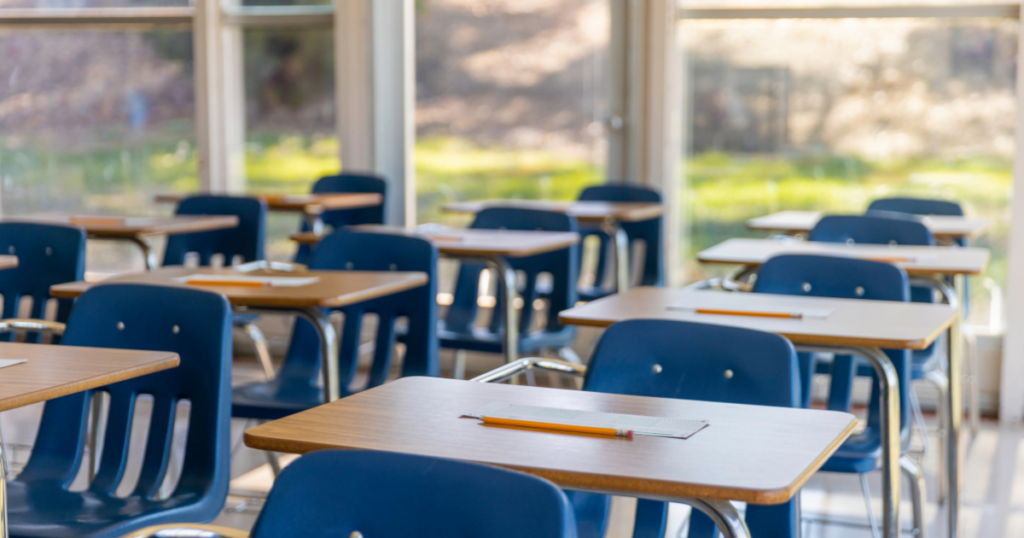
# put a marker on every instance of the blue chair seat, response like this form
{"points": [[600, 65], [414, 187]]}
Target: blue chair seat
{"points": [[486, 341], [95, 512], [275, 399]]}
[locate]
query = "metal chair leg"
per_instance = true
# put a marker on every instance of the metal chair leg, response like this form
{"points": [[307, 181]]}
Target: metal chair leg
{"points": [[867, 501], [941, 382], [459, 370], [262, 350], [915, 407], [973, 385], [915, 479]]}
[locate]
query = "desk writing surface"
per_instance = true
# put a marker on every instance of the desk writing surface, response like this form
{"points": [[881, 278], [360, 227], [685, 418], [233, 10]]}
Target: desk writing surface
{"points": [[928, 260], [852, 322], [53, 371], [308, 203], [335, 288], [471, 242], [944, 227], [756, 454], [8, 262], [584, 211], [135, 226]]}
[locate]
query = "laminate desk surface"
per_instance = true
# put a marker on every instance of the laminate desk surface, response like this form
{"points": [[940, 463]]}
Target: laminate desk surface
{"points": [[470, 242], [916, 260], [584, 211], [53, 371], [113, 226], [850, 322], [756, 454], [8, 262], [334, 288], [943, 227], [313, 204]]}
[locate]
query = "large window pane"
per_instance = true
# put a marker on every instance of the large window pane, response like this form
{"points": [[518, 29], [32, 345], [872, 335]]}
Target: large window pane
{"points": [[510, 99], [289, 115], [831, 114], [95, 121]]}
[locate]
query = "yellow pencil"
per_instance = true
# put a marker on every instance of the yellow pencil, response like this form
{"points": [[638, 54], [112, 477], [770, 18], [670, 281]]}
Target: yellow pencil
{"points": [[786, 315], [244, 283], [558, 427]]}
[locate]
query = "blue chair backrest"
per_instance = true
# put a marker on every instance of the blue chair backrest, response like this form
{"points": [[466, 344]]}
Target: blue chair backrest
{"points": [[351, 183], [245, 241], [867, 229], [196, 325], [48, 254], [562, 265], [649, 231], [359, 251], [845, 278], [335, 493], [918, 206], [693, 359]]}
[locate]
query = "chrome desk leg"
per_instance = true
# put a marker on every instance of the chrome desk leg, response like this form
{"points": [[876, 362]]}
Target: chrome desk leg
{"points": [[508, 279], [147, 252], [3, 487], [328, 350], [890, 424], [956, 411], [622, 265], [316, 223], [725, 516]]}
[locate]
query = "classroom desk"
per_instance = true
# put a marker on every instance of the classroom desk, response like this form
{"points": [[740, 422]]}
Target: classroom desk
{"points": [[54, 371], [930, 265], [608, 215], [854, 327], [334, 289], [945, 228], [757, 454], [135, 229], [312, 206], [8, 262], [493, 247]]}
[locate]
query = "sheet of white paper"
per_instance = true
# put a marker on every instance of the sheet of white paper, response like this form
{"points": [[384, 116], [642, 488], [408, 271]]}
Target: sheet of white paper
{"points": [[10, 362], [640, 425], [273, 281], [819, 313]]}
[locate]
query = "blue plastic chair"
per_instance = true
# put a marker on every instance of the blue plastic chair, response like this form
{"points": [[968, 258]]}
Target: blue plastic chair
{"points": [[918, 206], [692, 358], [885, 230], [48, 254], [295, 386], [648, 231], [848, 278], [245, 241], [192, 323], [338, 493], [339, 218], [458, 331]]}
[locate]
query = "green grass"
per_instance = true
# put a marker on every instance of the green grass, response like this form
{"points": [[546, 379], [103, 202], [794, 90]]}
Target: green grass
{"points": [[724, 190]]}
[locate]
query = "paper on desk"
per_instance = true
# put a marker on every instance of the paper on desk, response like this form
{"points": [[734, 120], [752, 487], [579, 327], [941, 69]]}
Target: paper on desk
{"points": [[272, 281], [10, 362], [641, 425], [820, 313]]}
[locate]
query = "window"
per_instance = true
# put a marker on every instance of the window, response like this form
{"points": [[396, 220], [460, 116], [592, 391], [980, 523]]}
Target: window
{"points": [[511, 99], [831, 114]]}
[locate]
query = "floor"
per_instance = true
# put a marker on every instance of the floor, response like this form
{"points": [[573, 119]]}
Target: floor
{"points": [[993, 485]]}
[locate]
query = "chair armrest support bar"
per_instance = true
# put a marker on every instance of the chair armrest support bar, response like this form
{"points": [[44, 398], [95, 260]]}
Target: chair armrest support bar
{"points": [[35, 325], [520, 366]]}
